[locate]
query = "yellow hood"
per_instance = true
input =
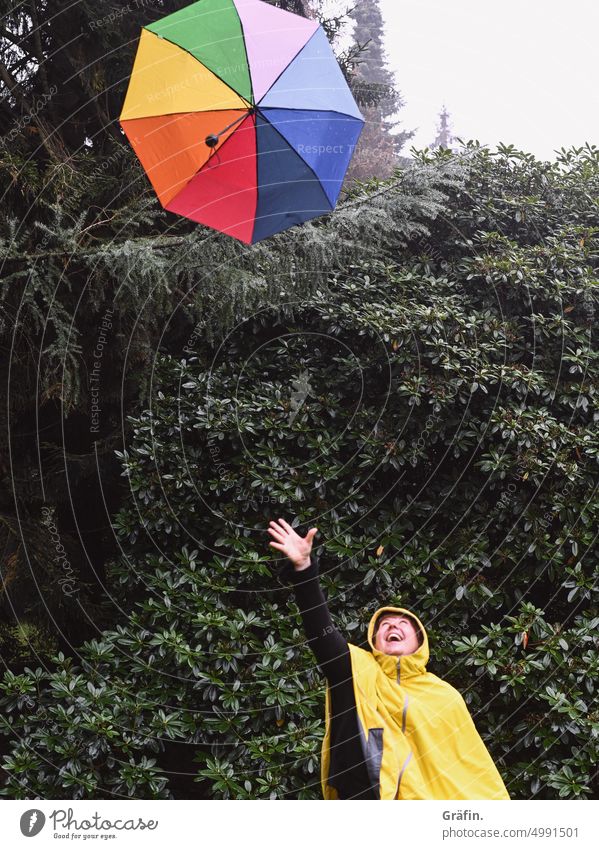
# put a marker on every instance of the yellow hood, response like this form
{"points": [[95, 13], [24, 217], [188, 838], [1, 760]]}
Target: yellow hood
{"points": [[417, 737], [410, 664]]}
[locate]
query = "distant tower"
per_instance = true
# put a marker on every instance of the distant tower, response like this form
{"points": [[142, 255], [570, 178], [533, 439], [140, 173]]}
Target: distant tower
{"points": [[444, 138]]}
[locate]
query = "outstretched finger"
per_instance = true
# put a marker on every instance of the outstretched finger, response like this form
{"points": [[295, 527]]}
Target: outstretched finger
{"points": [[277, 545], [277, 534], [287, 526]]}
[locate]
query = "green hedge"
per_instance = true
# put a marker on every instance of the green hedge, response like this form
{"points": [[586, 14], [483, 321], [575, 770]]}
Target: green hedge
{"points": [[434, 413]]}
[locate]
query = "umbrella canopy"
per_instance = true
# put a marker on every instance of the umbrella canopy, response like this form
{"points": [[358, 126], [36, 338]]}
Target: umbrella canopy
{"points": [[241, 116]]}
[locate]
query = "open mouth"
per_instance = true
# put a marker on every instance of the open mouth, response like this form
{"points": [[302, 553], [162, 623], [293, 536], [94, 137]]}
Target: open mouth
{"points": [[394, 638]]}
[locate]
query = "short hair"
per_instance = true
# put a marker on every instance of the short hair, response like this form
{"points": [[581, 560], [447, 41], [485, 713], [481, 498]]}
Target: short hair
{"points": [[408, 616]]}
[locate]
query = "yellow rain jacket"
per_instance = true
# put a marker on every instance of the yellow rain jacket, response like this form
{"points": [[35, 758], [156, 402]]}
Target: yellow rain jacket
{"points": [[417, 736]]}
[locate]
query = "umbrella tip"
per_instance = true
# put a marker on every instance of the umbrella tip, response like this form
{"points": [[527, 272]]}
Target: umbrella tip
{"points": [[211, 140]]}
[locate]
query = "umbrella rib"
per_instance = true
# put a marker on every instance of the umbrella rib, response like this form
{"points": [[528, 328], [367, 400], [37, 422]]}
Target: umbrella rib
{"points": [[264, 109], [184, 112], [247, 58]]}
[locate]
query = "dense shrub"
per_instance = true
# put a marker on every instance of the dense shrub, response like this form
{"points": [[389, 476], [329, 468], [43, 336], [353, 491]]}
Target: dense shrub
{"points": [[434, 413]]}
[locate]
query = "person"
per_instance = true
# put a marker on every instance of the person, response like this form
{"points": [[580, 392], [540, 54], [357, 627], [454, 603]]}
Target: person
{"points": [[393, 730]]}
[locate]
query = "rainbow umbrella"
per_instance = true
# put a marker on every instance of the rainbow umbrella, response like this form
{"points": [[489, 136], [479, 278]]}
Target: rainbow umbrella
{"points": [[241, 116]]}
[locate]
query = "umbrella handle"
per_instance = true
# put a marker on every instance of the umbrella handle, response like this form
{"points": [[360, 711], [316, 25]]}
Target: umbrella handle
{"points": [[212, 139]]}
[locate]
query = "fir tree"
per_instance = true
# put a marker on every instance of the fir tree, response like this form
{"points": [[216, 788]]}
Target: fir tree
{"points": [[375, 89]]}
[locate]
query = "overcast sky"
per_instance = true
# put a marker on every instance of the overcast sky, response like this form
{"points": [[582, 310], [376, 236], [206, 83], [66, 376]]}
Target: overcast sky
{"points": [[523, 72]]}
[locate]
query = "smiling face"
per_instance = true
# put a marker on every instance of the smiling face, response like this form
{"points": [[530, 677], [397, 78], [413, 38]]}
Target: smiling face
{"points": [[396, 634]]}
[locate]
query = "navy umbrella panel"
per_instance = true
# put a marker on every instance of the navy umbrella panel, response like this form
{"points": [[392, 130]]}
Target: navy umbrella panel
{"points": [[290, 191]]}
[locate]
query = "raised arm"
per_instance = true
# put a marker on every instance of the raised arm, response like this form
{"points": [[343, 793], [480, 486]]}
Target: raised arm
{"points": [[328, 645]]}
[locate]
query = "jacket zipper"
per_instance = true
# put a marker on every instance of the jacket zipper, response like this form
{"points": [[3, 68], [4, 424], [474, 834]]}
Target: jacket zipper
{"points": [[398, 671], [403, 731]]}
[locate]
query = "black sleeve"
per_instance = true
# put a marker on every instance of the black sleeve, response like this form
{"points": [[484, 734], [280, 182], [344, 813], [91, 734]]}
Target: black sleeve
{"points": [[329, 646]]}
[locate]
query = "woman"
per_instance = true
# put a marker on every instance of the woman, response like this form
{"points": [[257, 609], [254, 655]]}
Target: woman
{"points": [[393, 729]]}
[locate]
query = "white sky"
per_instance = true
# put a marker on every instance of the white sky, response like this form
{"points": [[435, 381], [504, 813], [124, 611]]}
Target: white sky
{"points": [[522, 72]]}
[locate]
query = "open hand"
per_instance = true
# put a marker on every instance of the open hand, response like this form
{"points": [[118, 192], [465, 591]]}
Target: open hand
{"points": [[296, 548]]}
